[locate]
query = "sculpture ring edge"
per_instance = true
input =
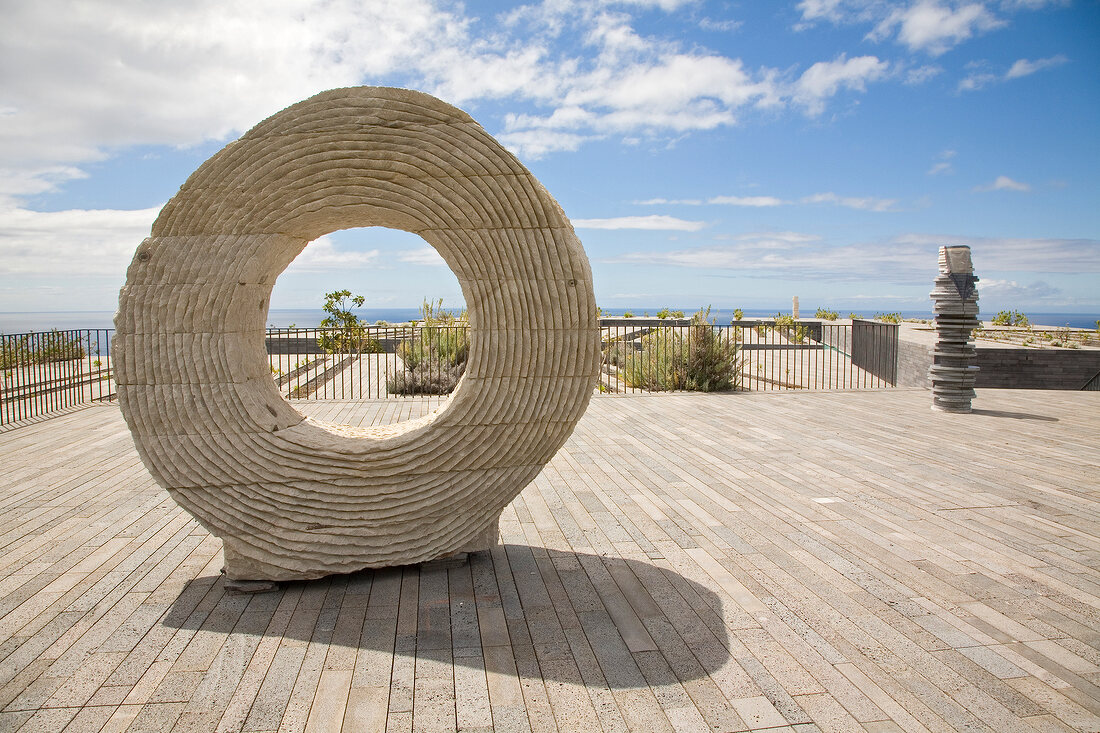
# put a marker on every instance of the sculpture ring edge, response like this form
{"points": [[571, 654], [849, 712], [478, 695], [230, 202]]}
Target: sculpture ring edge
{"points": [[292, 499]]}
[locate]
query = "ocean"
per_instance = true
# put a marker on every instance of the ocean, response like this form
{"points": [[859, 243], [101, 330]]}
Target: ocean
{"points": [[11, 322]]}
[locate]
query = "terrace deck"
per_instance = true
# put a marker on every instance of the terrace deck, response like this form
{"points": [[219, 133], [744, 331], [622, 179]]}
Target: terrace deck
{"points": [[765, 561]]}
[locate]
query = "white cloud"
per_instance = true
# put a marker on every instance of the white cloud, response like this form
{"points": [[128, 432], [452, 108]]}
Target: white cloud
{"points": [[933, 27], [862, 203], [656, 222], [756, 201], [909, 258], [537, 143], [981, 76], [825, 78], [839, 11], [1004, 183], [427, 256], [322, 255], [680, 202], [943, 163], [1023, 67], [71, 243], [921, 74], [720, 26], [114, 72], [1012, 290], [977, 80]]}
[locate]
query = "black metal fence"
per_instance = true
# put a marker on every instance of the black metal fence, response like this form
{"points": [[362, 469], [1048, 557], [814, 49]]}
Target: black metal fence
{"points": [[44, 372], [369, 362], [49, 371], [655, 355]]}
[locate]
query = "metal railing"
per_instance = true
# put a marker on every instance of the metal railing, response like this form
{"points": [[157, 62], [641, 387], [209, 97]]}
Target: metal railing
{"points": [[49, 371], [367, 363], [653, 355], [45, 372]]}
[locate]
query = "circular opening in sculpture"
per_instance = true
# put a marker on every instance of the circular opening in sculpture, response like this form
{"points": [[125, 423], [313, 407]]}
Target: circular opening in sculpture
{"points": [[364, 336]]}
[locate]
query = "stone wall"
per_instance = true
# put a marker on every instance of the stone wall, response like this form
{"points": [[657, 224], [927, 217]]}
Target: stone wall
{"points": [[1001, 367], [1037, 368], [914, 358]]}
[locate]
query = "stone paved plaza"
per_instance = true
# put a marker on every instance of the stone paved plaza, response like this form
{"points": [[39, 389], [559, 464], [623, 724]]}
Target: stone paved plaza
{"points": [[834, 561]]}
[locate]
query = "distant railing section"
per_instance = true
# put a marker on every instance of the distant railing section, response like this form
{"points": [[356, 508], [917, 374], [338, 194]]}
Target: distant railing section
{"points": [[369, 362], [767, 354], [49, 371], [45, 372]]}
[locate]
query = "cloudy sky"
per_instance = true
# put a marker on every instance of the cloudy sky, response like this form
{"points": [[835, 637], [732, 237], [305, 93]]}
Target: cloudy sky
{"points": [[730, 153]]}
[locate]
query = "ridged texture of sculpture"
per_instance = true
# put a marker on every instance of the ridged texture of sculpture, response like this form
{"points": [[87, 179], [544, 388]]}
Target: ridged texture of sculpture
{"points": [[955, 305], [295, 498]]}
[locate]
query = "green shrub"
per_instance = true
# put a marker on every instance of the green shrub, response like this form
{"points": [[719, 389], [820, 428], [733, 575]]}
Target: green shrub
{"points": [[826, 314], [1011, 318], [888, 317], [342, 331], [627, 314], [666, 313], [40, 348], [790, 328], [738, 314], [435, 359], [697, 358], [854, 316], [617, 352]]}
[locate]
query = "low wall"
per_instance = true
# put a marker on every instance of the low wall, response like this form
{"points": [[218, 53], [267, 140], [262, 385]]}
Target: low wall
{"points": [[1037, 368], [1003, 367], [914, 360]]}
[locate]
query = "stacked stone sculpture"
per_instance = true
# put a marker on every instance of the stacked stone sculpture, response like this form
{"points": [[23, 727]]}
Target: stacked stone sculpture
{"points": [[955, 305], [294, 498]]}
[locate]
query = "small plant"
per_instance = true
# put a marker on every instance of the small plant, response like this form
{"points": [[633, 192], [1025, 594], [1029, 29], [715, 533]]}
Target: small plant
{"points": [[738, 314], [435, 359], [888, 317], [855, 316], [826, 314], [700, 361], [343, 332], [1011, 318], [790, 328], [627, 314], [666, 313]]}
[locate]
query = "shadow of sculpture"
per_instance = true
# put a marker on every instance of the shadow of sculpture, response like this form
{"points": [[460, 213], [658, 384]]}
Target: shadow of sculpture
{"points": [[1014, 415], [563, 616]]}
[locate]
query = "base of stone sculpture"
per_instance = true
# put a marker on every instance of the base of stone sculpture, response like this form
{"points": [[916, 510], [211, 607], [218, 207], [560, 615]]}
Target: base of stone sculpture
{"points": [[244, 569]]}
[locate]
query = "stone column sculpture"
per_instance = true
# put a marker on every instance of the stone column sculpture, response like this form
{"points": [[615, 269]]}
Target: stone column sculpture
{"points": [[955, 304], [293, 497]]}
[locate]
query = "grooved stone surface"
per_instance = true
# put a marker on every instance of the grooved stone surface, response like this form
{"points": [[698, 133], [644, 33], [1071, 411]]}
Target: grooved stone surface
{"points": [[299, 498]]}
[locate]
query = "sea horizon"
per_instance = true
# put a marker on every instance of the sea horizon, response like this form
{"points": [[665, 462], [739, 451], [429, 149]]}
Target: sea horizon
{"points": [[13, 322]]}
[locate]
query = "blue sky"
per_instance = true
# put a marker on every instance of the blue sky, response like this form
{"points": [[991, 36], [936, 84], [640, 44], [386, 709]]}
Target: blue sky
{"points": [[725, 153]]}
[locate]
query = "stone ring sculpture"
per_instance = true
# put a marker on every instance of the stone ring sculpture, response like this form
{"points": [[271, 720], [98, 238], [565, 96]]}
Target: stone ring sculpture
{"points": [[294, 498]]}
